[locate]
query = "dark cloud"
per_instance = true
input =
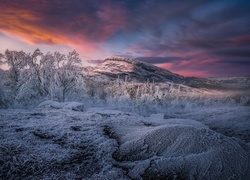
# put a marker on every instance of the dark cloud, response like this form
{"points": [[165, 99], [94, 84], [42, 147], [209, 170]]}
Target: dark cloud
{"points": [[204, 43], [237, 62], [234, 52], [158, 60]]}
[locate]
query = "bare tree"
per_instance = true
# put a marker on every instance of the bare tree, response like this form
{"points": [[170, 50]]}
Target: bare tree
{"points": [[35, 75], [16, 61], [67, 72], [47, 72], [35, 64]]}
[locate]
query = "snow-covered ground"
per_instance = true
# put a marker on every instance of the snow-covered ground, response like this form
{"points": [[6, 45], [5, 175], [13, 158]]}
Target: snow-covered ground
{"points": [[67, 141]]}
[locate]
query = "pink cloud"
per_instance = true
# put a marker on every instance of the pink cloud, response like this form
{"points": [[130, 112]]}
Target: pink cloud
{"points": [[166, 65], [193, 73], [240, 40]]}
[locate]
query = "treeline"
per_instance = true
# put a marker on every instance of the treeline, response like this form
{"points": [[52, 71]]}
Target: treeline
{"points": [[34, 76]]}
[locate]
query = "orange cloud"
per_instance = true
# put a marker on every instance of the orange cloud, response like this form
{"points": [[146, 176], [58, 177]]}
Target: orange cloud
{"points": [[20, 24], [82, 32]]}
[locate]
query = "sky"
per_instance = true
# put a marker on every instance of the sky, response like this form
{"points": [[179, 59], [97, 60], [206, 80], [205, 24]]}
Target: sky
{"points": [[204, 38]]}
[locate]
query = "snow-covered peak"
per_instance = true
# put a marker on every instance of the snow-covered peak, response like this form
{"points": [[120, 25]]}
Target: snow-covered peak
{"points": [[136, 63], [135, 70], [121, 59]]}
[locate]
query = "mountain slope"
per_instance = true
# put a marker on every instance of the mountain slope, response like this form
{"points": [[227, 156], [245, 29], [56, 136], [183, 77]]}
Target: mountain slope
{"points": [[135, 70], [138, 71]]}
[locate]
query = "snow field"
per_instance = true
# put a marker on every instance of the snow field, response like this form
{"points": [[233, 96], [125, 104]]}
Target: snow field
{"points": [[54, 142]]}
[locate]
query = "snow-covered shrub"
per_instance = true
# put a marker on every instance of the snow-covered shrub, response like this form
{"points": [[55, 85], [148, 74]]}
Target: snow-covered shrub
{"points": [[75, 106], [146, 98], [3, 99]]}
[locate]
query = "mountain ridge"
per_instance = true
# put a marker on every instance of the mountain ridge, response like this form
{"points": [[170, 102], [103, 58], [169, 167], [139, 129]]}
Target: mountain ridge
{"points": [[138, 71], [135, 70]]}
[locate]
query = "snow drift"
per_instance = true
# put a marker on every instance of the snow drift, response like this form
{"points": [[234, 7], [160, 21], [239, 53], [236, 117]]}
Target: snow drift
{"points": [[183, 151], [56, 142]]}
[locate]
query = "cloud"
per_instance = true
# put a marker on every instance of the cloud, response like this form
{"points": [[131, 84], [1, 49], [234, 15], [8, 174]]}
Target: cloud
{"points": [[238, 62], [158, 60], [82, 25], [210, 37], [186, 36], [234, 52], [242, 40]]}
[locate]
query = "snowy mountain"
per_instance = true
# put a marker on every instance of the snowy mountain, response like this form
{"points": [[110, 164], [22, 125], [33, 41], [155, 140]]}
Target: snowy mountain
{"points": [[138, 71], [135, 70]]}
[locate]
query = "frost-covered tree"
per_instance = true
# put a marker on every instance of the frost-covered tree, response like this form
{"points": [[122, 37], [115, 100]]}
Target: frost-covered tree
{"points": [[35, 65], [3, 102], [47, 71], [1, 59], [17, 62], [35, 76], [67, 72], [41, 70]]}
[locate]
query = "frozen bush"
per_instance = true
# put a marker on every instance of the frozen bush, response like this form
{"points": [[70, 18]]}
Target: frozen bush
{"points": [[75, 106]]}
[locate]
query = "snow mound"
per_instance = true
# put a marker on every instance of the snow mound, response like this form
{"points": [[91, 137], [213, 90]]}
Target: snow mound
{"points": [[75, 106], [183, 151], [158, 119]]}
